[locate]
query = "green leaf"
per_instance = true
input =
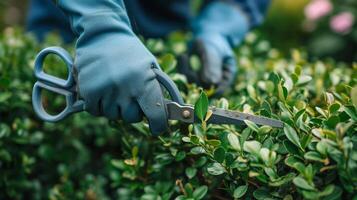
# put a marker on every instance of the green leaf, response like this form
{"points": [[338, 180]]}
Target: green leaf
{"points": [[240, 191], [252, 125], [264, 130], [180, 156], [200, 192], [233, 141], [214, 143], [327, 191], [262, 194], [252, 147], [332, 121], [303, 80], [191, 172], [194, 139], [219, 154], [216, 169], [291, 148], [195, 63], [281, 93], [354, 96], [314, 156], [197, 150], [291, 134], [302, 183], [200, 162], [334, 108], [168, 62], [201, 106]]}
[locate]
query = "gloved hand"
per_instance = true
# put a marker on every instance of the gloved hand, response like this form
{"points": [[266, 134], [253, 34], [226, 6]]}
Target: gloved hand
{"points": [[217, 29], [114, 68]]}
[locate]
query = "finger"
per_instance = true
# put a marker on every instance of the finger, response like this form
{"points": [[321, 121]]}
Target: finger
{"points": [[130, 111], [152, 104], [90, 94], [229, 72], [184, 67], [110, 108], [211, 70]]}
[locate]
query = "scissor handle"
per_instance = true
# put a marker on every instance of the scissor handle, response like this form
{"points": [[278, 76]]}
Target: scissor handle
{"points": [[56, 85], [169, 85], [47, 78]]}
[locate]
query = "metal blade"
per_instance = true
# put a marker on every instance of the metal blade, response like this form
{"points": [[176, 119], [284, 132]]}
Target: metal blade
{"points": [[220, 116]]}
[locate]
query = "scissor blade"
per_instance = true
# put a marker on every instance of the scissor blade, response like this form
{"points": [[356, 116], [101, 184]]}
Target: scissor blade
{"points": [[219, 116]]}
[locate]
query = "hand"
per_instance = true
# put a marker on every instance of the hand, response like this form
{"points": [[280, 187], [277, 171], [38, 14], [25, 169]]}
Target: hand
{"points": [[117, 81], [216, 30], [218, 64]]}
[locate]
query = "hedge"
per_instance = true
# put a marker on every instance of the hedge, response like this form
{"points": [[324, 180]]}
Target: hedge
{"points": [[87, 157]]}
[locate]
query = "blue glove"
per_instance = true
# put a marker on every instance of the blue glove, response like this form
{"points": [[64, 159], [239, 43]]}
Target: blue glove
{"points": [[114, 68], [217, 29]]}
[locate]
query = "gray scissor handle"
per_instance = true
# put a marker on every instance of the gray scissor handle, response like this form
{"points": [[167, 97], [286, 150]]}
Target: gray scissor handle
{"points": [[65, 87]]}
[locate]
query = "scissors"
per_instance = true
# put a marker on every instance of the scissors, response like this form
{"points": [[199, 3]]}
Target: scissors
{"points": [[176, 108]]}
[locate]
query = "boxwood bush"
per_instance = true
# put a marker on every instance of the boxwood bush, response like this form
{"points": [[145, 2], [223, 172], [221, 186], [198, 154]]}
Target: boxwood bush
{"points": [[86, 157]]}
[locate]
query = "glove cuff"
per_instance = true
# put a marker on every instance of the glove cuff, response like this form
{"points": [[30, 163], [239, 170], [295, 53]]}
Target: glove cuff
{"points": [[222, 18], [94, 15]]}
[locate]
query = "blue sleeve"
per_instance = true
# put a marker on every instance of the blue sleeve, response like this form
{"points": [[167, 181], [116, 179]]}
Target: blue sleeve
{"points": [[254, 9]]}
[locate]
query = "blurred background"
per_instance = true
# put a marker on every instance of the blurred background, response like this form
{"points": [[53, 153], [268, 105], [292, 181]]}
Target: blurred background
{"points": [[325, 28]]}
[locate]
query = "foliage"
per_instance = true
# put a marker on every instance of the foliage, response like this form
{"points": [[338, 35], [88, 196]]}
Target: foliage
{"points": [[86, 157], [333, 28]]}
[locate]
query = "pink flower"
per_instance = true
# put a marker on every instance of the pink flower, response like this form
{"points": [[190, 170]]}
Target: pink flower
{"points": [[317, 9], [342, 23]]}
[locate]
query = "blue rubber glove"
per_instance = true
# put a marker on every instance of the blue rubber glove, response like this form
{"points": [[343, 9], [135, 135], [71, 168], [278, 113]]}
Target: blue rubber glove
{"points": [[217, 29], [114, 68]]}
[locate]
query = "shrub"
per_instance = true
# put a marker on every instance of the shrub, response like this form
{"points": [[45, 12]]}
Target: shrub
{"points": [[86, 157]]}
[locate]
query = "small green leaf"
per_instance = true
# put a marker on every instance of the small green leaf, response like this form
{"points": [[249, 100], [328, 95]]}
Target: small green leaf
{"points": [[194, 139], [240, 191], [195, 63], [314, 156], [214, 143], [332, 121], [200, 192], [281, 93], [197, 150], [180, 156], [216, 169], [354, 96], [201, 106], [219, 155], [262, 194], [234, 141], [303, 80], [168, 62], [298, 70], [327, 191], [252, 125], [186, 139], [264, 130], [334, 107], [302, 183], [191, 172], [252, 147], [291, 134]]}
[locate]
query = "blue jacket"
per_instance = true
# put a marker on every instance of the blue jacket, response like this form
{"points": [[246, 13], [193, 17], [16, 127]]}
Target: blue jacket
{"points": [[155, 18]]}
